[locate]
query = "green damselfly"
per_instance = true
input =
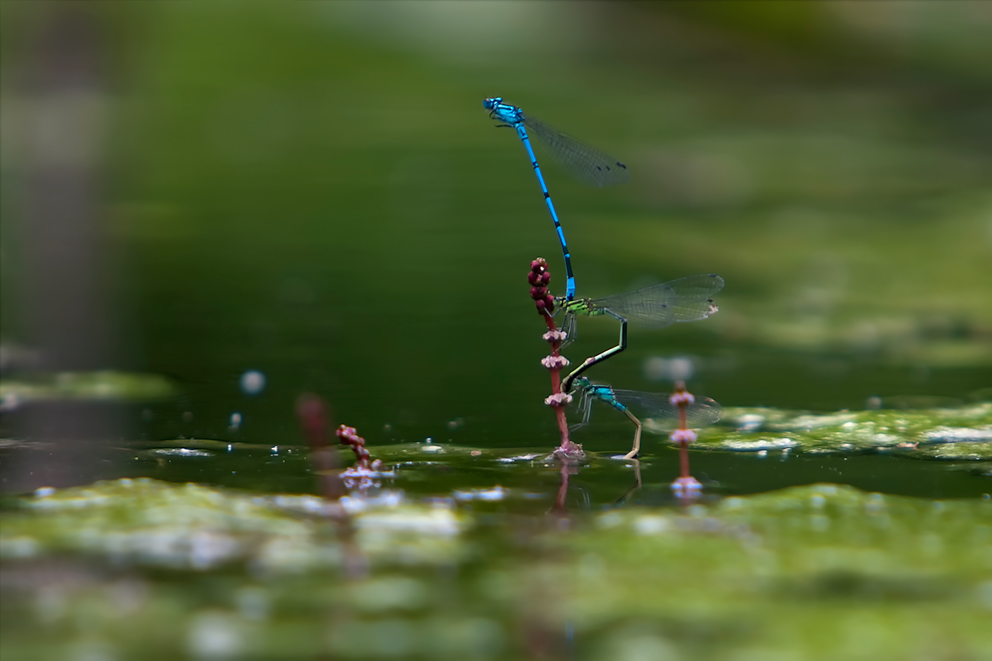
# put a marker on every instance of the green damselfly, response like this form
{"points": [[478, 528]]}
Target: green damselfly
{"points": [[665, 411]]}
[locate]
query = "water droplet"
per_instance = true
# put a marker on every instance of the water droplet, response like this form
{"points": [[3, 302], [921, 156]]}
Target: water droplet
{"points": [[252, 382], [235, 422]]}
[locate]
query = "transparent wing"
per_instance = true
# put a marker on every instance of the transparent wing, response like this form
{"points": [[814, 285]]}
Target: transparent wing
{"points": [[693, 296], [696, 287], [586, 164], [650, 306], [704, 411], [684, 299]]}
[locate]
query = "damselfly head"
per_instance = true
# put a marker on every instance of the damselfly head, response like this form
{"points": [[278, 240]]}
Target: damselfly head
{"points": [[581, 383], [491, 103]]}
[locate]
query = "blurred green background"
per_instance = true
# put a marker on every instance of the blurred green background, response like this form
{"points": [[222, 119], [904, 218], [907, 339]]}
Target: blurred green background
{"points": [[313, 190]]}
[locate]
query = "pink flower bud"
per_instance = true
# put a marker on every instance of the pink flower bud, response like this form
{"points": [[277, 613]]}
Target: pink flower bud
{"points": [[680, 435], [554, 362], [558, 399]]}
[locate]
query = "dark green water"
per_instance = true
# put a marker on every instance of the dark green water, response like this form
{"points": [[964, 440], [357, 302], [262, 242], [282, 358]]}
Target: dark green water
{"points": [[602, 481], [337, 212]]}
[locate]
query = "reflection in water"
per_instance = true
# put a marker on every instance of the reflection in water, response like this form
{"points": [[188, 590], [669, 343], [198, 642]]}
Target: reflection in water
{"points": [[567, 468], [637, 483]]}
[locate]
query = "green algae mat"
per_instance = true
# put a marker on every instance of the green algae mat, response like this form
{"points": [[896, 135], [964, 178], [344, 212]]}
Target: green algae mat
{"points": [[461, 553]]}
